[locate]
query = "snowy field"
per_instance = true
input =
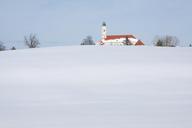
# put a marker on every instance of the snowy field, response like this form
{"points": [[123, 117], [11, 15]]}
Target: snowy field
{"points": [[96, 87]]}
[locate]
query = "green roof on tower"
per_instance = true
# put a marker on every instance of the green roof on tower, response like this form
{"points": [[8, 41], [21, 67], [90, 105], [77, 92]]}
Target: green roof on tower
{"points": [[104, 24]]}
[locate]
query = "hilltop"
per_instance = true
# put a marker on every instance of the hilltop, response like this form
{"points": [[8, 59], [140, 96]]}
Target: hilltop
{"points": [[96, 87]]}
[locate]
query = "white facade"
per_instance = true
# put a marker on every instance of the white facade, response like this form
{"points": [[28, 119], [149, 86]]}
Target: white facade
{"points": [[116, 39], [104, 31]]}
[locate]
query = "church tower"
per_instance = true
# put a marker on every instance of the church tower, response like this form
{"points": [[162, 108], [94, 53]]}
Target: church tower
{"points": [[104, 31]]}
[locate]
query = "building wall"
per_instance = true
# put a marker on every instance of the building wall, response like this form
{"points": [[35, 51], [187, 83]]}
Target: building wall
{"points": [[119, 41]]}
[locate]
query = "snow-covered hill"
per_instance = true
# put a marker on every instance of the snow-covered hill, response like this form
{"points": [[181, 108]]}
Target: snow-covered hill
{"points": [[96, 87]]}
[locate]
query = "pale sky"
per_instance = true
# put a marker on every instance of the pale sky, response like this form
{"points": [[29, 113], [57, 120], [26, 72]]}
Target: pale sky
{"points": [[69, 21]]}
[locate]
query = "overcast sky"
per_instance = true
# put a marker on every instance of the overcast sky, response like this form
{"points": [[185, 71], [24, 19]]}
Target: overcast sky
{"points": [[69, 21]]}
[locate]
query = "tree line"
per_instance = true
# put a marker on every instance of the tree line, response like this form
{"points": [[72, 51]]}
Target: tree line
{"points": [[166, 41], [32, 41], [159, 41]]}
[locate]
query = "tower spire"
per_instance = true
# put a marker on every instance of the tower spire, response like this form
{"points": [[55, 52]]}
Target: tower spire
{"points": [[104, 31], [104, 24]]}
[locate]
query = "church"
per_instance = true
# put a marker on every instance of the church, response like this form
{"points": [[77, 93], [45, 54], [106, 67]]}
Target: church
{"points": [[117, 39]]}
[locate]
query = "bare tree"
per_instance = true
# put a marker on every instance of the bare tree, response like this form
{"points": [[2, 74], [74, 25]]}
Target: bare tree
{"points": [[127, 41], [88, 41], [13, 48], [2, 47], [166, 41], [32, 41]]}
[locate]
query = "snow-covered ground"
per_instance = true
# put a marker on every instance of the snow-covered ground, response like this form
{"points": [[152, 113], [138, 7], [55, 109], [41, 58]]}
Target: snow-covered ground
{"points": [[96, 87]]}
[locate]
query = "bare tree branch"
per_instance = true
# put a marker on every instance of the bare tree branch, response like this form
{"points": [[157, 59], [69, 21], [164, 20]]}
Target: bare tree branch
{"points": [[166, 41], [32, 41], [2, 47], [88, 41]]}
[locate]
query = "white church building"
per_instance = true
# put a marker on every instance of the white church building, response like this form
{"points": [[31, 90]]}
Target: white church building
{"points": [[117, 39]]}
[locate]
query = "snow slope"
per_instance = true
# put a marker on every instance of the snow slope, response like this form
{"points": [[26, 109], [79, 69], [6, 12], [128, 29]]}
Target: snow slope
{"points": [[96, 87]]}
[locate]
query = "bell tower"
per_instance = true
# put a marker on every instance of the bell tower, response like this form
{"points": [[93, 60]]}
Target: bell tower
{"points": [[104, 31]]}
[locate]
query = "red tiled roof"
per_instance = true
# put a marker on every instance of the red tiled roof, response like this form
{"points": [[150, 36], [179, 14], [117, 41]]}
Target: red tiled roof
{"points": [[112, 37], [139, 43]]}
